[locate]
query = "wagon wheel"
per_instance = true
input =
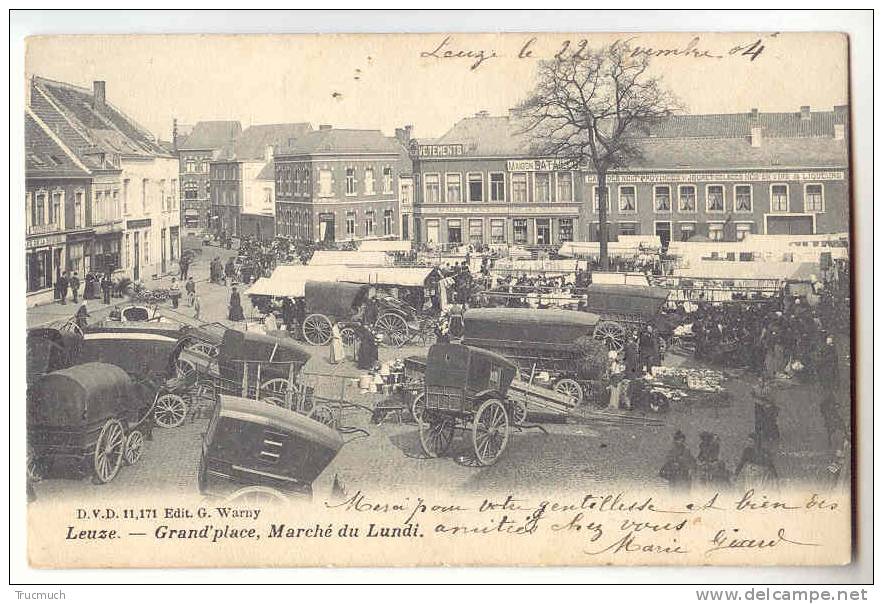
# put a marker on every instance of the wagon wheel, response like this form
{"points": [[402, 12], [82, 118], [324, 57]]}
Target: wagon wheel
{"points": [[395, 328], [324, 415], [436, 434], [317, 329], [570, 388], [170, 410], [490, 431], [134, 447], [274, 391], [348, 337], [183, 368], [418, 406], [109, 451], [256, 495], [611, 333], [519, 413]]}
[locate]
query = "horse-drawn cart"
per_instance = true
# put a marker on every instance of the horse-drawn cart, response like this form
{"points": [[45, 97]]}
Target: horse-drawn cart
{"points": [[94, 415], [623, 308], [330, 303]]}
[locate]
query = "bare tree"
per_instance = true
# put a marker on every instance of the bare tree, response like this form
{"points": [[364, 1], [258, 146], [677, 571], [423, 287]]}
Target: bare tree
{"points": [[590, 108]]}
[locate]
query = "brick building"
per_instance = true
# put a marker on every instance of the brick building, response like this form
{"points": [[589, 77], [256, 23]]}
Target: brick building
{"points": [[242, 179], [340, 184], [718, 176], [195, 152]]}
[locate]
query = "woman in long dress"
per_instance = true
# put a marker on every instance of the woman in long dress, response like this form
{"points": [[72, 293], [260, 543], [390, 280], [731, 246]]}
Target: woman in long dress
{"points": [[755, 469], [235, 313], [336, 352]]}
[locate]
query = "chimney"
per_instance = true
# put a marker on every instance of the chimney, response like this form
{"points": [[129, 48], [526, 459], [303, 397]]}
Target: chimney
{"points": [[403, 135], [325, 126], [98, 94], [804, 112], [482, 113]]}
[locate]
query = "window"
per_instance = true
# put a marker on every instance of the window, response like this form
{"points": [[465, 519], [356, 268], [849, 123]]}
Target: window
{"points": [[55, 211], [162, 195], [519, 187], [351, 223], [325, 183], [778, 198], [542, 187], [742, 198], [387, 222], [387, 179], [627, 199], [476, 186], [191, 191], [498, 186], [455, 231], [596, 203], [350, 181], [565, 229], [714, 198], [369, 181], [476, 231], [115, 210], [742, 229], [38, 210], [432, 231], [519, 230], [405, 192], [190, 166], [369, 223], [498, 231], [433, 188], [453, 190], [688, 229], [715, 231], [628, 228], [544, 231], [687, 198], [813, 198], [98, 207], [79, 211], [144, 183], [565, 187], [146, 251], [126, 196], [662, 199]]}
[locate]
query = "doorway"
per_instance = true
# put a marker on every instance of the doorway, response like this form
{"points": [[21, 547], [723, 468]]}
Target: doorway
{"points": [[136, 255], [663, 231], [326, 227]]}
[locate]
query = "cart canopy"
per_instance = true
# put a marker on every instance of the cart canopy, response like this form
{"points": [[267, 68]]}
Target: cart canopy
{"points": [[291, 280], [82, 395], [528, 327], [348, 258], [138, 353], [250, 346], [339, 300], [263, 440], [626, 299], [467, 367], [49, 349]]}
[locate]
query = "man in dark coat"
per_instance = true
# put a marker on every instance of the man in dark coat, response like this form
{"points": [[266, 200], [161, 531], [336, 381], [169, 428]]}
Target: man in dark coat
{"points": [[106, 284], [63, 284], [367, 353], [75, 286], [679, 464]]}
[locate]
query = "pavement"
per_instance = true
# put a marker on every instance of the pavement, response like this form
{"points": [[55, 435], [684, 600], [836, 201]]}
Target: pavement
{"points": [[581, 454]]}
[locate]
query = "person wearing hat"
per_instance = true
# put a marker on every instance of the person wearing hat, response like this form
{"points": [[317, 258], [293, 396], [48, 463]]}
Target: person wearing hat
{"points": [[679, 464], [755, 469], [711, 470]]}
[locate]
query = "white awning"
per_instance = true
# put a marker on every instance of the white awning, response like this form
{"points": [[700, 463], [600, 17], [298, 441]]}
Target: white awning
{"points": [[337, 258], [290, 280], [385, 245]]}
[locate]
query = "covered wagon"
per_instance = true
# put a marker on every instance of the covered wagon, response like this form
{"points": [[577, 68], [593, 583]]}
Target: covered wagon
{"points": [[622, 308]]}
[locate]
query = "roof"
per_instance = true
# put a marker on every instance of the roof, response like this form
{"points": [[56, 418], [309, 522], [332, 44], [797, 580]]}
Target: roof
{"points": [[537, 316], [252, 143], [688, 141], [634, 291], [268, 172], [347, 258], [46, 154], [342, 141], [89, 128], [273, 416], [210, 135]]}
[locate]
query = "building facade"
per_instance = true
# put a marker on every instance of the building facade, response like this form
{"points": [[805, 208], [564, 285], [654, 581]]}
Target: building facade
{"points": [[715, 176], [242, 180], [340, 185], [196, 151], [134, 190]]}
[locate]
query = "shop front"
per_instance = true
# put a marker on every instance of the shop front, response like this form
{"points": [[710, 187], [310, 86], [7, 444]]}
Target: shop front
{"points": [[44, 261], [79, 252]]}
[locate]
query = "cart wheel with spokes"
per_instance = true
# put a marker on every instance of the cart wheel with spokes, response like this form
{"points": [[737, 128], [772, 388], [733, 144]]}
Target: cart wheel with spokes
{"points": [[519, 413], [324, 415], [393, 327], [183, 368], [418, 406], [317, 329], [571, 389], [274, 391], [256, 496], [203, 348], [436, 434], [348, 337], [490, 431], [109, 451], [611, 333], [134, 447], [170, 410]]}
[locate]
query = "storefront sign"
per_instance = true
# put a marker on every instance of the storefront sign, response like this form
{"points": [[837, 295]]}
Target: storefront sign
{"points": [[537, 165], [44, 241], [439, 150], [713, 177], [142, 223]]}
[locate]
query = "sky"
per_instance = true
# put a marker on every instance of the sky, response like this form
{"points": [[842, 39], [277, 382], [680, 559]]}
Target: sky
{"points": [[385, 81]]}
